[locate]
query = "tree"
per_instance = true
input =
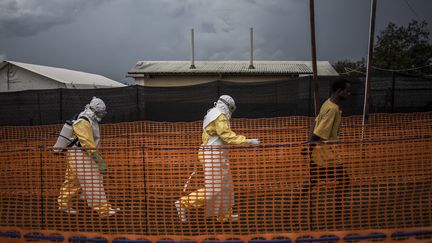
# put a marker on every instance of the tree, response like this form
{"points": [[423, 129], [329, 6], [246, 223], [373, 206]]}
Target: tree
{"points": [[402, 48], [352, 68]]}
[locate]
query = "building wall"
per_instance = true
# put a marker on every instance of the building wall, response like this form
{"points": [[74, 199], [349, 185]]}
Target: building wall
{"points": [[21, 79], [169, 81]]}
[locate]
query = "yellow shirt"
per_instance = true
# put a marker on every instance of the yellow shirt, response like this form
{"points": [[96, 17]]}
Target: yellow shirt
{"points": [[221, 128], [328, 121], [84, 131]]}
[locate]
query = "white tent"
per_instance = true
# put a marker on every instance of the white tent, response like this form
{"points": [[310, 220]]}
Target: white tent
{"points": [[17, 76]]}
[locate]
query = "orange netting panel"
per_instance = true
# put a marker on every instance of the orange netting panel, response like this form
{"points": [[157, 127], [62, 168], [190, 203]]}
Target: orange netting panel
{"points": [[279, 186]]}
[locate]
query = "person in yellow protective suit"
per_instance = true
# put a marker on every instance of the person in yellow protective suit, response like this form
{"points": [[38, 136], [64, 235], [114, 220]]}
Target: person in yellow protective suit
{"points": [[218, 194], [86, 166]]}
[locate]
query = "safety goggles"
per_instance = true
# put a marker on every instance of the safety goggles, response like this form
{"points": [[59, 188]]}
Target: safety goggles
{"points": [[230, 107], [99, 114]]}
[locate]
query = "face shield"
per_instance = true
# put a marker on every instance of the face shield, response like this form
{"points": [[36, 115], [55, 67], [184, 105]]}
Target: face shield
{"points": [[99, 114]]}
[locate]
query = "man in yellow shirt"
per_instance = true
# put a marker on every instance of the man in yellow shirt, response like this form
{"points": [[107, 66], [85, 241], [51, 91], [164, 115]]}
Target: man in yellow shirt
{"points": [[86, 166], [218, 194], [324, 161]]}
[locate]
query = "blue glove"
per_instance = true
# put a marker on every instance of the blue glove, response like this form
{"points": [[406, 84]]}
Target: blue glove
{"points": [[97, 157]]}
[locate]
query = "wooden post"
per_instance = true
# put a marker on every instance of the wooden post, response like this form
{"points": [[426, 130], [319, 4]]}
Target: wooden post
{"points": [[314, 59]]}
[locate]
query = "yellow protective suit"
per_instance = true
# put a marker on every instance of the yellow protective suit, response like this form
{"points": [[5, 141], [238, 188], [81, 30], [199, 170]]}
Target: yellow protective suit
{"points": [[218, 194], [82, 173]]}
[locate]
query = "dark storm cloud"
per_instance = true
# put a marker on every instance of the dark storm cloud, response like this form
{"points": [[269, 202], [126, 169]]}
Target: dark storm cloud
{"points": [[23, 18], [208, 28], [109, 37]]}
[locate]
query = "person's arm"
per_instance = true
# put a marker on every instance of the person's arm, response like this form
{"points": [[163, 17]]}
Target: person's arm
{"points": [[312, 136], [226, 134]]}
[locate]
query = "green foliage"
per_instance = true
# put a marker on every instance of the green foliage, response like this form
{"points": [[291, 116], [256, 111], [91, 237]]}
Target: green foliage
{"points": [[401, 48], [396, 48]]}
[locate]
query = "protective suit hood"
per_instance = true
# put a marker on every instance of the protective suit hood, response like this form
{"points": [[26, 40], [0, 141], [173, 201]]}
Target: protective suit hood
{"points": [[225, 104], [95, 110]]}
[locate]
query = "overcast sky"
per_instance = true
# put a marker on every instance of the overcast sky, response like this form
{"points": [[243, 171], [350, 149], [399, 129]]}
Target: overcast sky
{"points": [[108, 37]]}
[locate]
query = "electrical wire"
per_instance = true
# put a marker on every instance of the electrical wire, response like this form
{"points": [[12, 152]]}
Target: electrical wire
{"points": [[402, 70], [350, 70], [413, 11]]}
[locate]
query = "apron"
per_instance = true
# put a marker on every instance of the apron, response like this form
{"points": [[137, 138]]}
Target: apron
{"points": [[89, 178], [219, 191]]}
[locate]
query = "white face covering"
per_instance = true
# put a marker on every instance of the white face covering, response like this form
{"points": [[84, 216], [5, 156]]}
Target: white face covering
{"points": [[225, 104], [90, 114], [96, 110], [223, 108]]}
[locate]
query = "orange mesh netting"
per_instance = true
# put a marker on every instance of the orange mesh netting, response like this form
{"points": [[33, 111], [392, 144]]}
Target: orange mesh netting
{"points": [[382, 184]]}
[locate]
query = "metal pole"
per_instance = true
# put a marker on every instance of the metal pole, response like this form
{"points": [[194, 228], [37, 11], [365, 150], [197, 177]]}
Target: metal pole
{"points": [[42, 176], [8, 73], [314, 59], [138, 118], [61, 106], [310, 96], [251, 66], [393, 91], [369, 65], [192, 66]]}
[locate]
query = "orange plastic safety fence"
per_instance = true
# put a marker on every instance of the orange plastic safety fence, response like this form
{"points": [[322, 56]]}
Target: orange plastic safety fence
{"points": [[282, 186]]}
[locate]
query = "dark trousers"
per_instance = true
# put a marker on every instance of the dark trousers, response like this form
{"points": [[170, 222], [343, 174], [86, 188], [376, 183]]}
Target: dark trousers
{"points": [[330, 172], [317, 173]]}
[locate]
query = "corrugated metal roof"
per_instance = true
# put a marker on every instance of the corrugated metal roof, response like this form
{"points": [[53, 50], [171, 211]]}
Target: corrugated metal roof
{"points": [[229, 67], [69, 76]]}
